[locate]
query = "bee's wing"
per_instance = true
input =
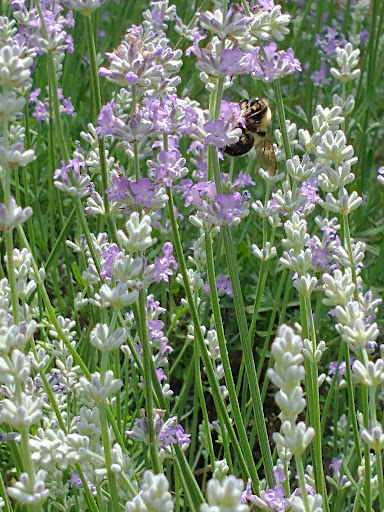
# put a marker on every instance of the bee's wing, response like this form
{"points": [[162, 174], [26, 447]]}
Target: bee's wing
{"points": [[266, 153]]}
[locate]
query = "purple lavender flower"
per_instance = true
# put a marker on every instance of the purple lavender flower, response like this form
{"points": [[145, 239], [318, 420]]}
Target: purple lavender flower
{"points": [[277, 64], [167, 432], [12, 436], [335, 464], [76, 480], [271, 499], [215, 209], [234, 61], [229, 206], [171, 433], [162, 266], [109, 124], [243, 180], [168, 168], [217, 134], [142, 191], [154, 310], [334, 367], [329, 40], [275, 498], [223, 286], [364, 36], [319, 77], [69, 178], [109, 256]]}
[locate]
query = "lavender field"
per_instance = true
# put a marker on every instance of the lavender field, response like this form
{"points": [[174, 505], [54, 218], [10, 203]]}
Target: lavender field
{"points": [[191, 256]]}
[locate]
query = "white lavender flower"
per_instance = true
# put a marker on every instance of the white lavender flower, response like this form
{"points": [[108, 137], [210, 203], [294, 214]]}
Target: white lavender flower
{"points": [[224, 495], [295, 437], [314, 504], [15, 369], [374, 437], [266, 253], [13, 215], [338, 288], [10, 105], [101, 388], [153, 495], [267, 24], [138, 237], [14, 336], [117, 297], [13, 155], [305, 284], [298, 170], [84, 7], [347, 59], [234, 25], [27, 493], [103, 340], [15, 65], [22, 414]]}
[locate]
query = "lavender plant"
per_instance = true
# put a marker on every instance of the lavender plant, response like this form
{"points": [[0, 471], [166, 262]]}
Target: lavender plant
{"points": [[155, 291]]}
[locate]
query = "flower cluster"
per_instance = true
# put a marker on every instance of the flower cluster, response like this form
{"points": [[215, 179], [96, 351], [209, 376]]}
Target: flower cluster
{"points": [[167, 432]]}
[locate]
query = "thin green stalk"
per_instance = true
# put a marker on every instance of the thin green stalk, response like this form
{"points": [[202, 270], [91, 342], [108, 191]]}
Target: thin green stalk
{"points": [[380, 481], [313, 57], [4, 495], [203, 405], [87, 233], [244, 443], [351, 402], [8, 235], [300, 472], [191, 505], [282, 124], [263, 274], [240, 312], [276, 303], [220, 406], [53, 90], [367, 461], [195, 414], [246, 345], [314, 406], [141, 323], [108, 456], [97, 106]]}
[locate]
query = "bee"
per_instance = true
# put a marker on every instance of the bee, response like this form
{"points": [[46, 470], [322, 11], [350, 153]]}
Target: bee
{"points": [[258, 116]]}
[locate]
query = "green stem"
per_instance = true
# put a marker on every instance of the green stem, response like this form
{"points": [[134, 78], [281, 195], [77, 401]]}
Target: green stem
{"points": [[97, 107], [200, 394], [240, 314], [8, 235], [87, 233], [141, 323], [4, 495], [300, 472], [108, 457], [367, 461], [314, 407], [246, 345], [220, 406], [379, 472], [263, 274], [351, 402], [244, 443]]}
